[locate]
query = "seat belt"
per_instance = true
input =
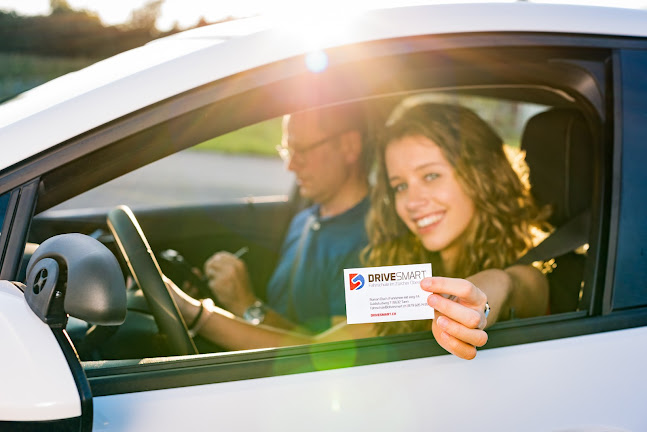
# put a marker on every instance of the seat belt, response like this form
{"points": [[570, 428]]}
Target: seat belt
{"points": [[564, 239]]}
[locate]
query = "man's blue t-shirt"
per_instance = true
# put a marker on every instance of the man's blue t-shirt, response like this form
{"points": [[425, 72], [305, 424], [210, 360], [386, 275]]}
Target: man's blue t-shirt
{"points": [[316, 292]]}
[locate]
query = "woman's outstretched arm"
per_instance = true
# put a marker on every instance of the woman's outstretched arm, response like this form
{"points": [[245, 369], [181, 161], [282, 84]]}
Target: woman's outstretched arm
{"points": [[459, 304]]}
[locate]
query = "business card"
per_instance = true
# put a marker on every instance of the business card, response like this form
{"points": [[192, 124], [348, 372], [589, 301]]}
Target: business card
{"points": [[390, 293]]}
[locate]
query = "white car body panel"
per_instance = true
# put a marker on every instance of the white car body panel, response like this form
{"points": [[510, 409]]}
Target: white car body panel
{"points": [[35, 379], [67, 106], [546, 386]]}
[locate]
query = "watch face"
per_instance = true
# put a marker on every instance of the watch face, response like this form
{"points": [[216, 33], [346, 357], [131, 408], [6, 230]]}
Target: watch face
{"points": [[255, 314]]}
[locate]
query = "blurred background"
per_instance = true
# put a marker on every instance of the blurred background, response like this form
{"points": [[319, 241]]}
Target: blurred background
{"points": [[40, 40], [43, 39]]}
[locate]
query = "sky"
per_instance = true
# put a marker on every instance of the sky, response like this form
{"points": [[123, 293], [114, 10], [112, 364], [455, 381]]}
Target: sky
{"points": [[187, 12]]}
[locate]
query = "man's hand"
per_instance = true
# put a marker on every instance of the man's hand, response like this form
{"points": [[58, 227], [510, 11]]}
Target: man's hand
{"points": [[229, 282]]}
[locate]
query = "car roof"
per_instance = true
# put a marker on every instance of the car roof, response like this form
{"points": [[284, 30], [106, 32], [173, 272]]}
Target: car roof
{"points": [[80, 101]]}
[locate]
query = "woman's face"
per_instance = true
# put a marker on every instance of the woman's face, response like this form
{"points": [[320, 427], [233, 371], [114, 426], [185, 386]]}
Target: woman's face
{"points": [[428, 197]]}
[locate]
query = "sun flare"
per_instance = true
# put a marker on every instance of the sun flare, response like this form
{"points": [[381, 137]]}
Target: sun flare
{"points": [[317, 25]]}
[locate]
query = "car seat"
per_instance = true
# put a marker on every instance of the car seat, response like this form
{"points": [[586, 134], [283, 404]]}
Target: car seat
{"points": [[558, 146]]}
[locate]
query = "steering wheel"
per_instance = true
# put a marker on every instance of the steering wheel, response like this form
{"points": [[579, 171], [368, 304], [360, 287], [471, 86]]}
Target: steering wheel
{"points": [[144, 268]]}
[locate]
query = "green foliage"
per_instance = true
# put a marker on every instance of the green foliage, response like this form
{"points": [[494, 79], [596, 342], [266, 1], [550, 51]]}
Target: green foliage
{"points": [[260, 139], [59, 6], [20, 72], [14, 65], [68, 33], [145, 17]]}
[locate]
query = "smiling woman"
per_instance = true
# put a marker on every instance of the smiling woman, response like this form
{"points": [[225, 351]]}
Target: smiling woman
{"points": [[447, 194]]}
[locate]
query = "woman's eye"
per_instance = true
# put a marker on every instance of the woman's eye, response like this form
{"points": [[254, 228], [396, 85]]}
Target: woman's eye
{"points": [[431, 176], [398, 187]]}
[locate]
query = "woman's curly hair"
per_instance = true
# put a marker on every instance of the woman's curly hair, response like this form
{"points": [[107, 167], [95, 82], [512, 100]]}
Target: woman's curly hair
{"points": [[505, 221]]}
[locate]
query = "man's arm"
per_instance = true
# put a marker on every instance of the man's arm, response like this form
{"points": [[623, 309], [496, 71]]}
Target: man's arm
{"points": [[231, 332], [229, 282]]}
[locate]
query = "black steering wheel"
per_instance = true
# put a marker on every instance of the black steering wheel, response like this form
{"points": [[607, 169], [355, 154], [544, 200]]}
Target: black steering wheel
{"points": [[144, 268]]}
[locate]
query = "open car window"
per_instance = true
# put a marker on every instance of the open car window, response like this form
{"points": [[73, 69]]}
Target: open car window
{"points": [[199, 201]]}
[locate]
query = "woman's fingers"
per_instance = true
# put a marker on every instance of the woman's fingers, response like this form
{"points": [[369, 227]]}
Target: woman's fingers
{"points": [[467, 316], [459, 299], [466, 291], [459, 315], [474, 337], [452, 344]]}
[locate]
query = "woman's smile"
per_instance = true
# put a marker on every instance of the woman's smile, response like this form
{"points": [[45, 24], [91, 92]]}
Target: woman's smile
{"points": [[427, 223]]}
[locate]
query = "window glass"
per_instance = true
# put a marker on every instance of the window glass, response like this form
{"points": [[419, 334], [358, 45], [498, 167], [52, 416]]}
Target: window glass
{"points": [[631, 260]]}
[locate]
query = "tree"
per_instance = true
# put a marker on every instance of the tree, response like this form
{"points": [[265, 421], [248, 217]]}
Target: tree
{"points": [[59, 6], [145, 18]]}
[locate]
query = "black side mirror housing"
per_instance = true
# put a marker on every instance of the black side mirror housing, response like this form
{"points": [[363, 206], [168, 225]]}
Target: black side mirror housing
{"points": [[77, 275]]}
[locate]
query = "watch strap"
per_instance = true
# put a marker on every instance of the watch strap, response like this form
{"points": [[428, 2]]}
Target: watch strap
{"points": [[206, 309]]}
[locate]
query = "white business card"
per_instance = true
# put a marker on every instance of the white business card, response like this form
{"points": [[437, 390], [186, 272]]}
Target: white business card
{"points": [[390, 293]]}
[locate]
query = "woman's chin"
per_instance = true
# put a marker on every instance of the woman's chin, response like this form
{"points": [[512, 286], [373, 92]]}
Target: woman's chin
{"points": [[432, 245]]}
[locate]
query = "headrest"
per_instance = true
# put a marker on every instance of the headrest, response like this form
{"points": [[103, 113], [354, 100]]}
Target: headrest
{"points": [[559, 153]]}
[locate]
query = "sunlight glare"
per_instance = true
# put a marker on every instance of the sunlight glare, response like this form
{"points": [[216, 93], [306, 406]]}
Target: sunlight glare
{"points": [[110, 12], [316, 25], [316, 61]]}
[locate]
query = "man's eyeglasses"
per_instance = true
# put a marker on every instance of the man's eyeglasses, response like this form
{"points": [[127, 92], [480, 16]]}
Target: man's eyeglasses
{"points": [[287, 152]]}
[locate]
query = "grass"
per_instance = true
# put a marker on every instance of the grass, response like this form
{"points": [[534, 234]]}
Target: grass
{"points": [[259, 139]]}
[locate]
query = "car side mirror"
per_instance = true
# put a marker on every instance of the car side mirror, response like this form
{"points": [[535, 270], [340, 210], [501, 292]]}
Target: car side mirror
{"points": [[77, 275]]}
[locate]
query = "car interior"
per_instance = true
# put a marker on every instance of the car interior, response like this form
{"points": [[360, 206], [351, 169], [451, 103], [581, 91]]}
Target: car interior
{"points": [[557, 148], [550, 110]]}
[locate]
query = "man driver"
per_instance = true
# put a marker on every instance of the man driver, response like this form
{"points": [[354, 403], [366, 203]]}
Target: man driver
{"points": [[326, 151]]}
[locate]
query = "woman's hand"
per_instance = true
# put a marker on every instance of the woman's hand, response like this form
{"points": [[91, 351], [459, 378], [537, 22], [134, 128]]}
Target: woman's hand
{"points": [[459, 316]]}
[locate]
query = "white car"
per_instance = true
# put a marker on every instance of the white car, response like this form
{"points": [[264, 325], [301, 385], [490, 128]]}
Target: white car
{"points": [[567, 83]]}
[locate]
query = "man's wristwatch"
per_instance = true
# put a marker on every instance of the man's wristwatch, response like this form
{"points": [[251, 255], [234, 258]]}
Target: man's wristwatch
{"points": [[255, 314]]}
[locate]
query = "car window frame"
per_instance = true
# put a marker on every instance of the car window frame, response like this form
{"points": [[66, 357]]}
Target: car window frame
{"points": [[15, 227]]}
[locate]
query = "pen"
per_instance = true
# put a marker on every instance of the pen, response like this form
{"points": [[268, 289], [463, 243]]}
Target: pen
{"points": [[240, 252]]}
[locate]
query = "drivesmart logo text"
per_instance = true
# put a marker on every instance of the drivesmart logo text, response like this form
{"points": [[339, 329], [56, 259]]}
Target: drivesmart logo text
{"points": [[394, 278]]}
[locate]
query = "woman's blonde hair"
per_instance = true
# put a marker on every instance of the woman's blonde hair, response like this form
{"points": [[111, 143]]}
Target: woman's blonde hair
{"points": [[505, 214]]}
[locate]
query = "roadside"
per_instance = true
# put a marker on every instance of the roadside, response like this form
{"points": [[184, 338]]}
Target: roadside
{"points": [[190, 177]]}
